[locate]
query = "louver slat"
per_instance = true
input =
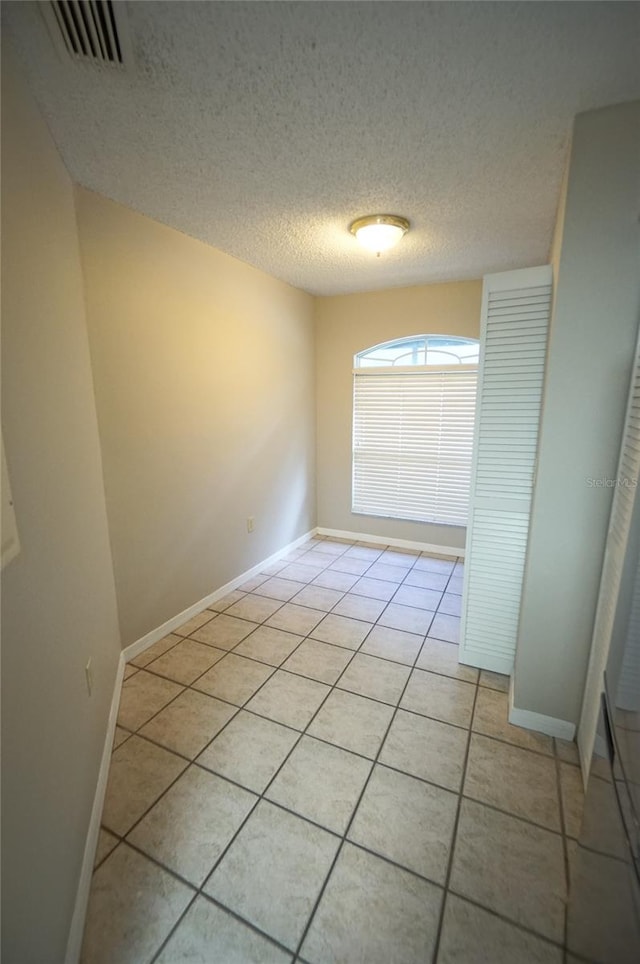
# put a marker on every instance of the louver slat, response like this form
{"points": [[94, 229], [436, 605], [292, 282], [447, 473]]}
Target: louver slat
{"points": [[622, 510], [515, 321]]}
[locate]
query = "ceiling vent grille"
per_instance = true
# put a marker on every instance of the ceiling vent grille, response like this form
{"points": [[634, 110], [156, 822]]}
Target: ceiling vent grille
{"points": [[89, 31]]}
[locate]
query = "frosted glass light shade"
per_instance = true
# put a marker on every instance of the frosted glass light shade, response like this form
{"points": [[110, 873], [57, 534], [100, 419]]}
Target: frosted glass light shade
{"points": [[379, 232]]}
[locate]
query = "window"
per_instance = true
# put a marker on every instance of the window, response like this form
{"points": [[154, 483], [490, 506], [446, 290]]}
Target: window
{"points": [[413, 415]]}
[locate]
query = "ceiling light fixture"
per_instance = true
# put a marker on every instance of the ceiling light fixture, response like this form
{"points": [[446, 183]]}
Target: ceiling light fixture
{"points": [[379, 232]]}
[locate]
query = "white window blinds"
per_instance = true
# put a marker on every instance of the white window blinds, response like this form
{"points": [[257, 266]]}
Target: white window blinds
{"points": [[412, 443]]}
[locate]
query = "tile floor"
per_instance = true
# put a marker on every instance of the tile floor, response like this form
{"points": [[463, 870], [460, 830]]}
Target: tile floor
{"points": [[305, 773]]}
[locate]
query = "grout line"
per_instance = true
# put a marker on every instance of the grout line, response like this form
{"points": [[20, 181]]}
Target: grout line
{"points": [[352, 817], [565, 847], [259, 798], [507, 920], [454, 835], [331, 688]]}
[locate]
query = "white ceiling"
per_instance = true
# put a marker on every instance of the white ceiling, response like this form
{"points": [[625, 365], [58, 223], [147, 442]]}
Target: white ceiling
{"points": [[264, 129]]}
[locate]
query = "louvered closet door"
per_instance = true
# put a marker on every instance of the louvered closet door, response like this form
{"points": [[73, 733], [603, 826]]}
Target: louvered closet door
{"points": [[622, 512], [515, 321]]}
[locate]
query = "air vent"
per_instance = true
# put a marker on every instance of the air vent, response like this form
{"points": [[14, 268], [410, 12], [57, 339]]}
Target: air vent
{"points": [[89, 31]]}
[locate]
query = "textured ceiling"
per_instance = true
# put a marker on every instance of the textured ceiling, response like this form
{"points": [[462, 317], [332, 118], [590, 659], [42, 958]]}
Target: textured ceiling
{"points": [[264, 129]]}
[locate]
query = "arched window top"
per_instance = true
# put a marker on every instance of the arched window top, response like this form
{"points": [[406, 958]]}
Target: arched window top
{"points": [[436, 350]]}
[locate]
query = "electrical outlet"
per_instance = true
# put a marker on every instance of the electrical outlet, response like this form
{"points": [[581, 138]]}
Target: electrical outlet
{"points": [[250, 523], [88, 672]]}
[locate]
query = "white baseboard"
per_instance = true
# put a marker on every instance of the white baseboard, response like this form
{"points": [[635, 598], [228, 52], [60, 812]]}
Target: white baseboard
{"points": [[139, 646], [549, 725], [388, 541], [74, 943]]}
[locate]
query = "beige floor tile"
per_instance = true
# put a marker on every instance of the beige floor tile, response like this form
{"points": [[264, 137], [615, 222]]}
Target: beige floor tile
{"points": [[341, 631], [129, 670], [315, 597], [386, 573], [567, 751], [316, 557], [277, 588], [408, 821], [494, 681], [451, 604], [359, 607], [430, 694], [120, 736], [352, 722], [335, 580], [373, 913], [374, 588], [253, 583], [249, 750], [330, 548], [511, 867], [418, 597], [440, 657], [394, 644], [141, 698], [346, 563], [446, 628], [186, 661], [377, 678], [471, 935], [138, 774], [318, 660], [399, 557], [434, 564], [491, 718], [274, 853], [190, 826], [603, 887], [295, 619], [157, 649], [301, 573], [234, 679], [224, 631], [188, 724], [254, 608], [572, 794], [106, 843], [425, 579], [195, 623], [367, 553], [597, 830], [269, 645], [426, 748], [209, 934], [407, 618], [513, 779], [133, 906], [273, 568], [320, 782], [289, 699], [221, 604], [294, 555]]}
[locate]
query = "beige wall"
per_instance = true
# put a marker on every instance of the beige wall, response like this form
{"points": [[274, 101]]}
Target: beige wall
{"points": [[591, 346], [346, 324], [204, 378], [58, 598]]}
